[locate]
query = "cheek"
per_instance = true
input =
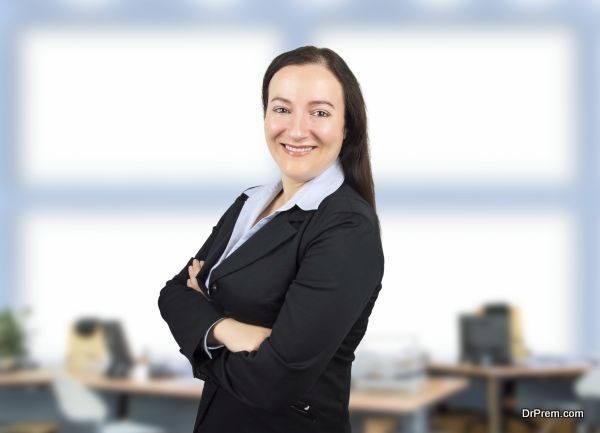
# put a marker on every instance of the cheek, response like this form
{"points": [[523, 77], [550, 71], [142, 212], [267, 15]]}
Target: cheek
{"points": [[332, 134], [273, 127]]}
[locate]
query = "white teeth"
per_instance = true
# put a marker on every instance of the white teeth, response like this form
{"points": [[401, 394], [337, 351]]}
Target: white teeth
{"points": [[298, 149]]}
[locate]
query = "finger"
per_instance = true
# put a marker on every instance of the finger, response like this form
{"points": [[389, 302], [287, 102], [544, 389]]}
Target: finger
{"points": [[198, 263], [196, 286], [196, 267], [192, 283]]}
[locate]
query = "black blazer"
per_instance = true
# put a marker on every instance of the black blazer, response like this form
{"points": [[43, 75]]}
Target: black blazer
{"points": [[313, 277]]}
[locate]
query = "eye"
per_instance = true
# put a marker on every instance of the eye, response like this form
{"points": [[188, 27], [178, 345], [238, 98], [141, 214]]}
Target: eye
{"points": [[281, 110], [321, 113]]}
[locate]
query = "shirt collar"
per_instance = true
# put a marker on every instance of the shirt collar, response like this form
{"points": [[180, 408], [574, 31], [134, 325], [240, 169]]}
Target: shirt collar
{"points": [[309, 196]]}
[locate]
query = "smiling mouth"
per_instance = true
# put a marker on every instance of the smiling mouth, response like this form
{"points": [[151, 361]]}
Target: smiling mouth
{"points": [[297, 150]]}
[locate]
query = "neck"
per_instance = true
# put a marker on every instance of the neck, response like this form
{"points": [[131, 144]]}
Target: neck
{"points": [[290, 187]]}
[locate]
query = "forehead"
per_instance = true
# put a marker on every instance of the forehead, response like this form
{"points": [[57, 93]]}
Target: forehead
{"points": [[306, 82]]}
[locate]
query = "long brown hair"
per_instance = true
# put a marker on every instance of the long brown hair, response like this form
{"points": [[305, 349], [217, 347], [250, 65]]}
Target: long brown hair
{"points": [[354, 155]]}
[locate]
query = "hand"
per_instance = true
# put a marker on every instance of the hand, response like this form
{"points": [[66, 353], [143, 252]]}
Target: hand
{"points": [[238, 336], [193, 270]]}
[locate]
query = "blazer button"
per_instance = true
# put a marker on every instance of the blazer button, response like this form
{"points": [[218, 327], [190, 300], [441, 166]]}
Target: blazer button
{"points": [[213, 287]]}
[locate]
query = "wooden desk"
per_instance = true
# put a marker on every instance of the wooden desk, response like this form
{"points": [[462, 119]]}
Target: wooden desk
{"points": [[413, 406], [25, 377], [178, 388], [433, 391], [495, 375], [410, 410]]}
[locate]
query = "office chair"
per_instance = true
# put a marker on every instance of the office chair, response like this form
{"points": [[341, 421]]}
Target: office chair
{"points": [[84, 410]]}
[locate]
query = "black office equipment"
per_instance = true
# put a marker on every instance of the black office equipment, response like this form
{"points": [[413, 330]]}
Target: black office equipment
{"points": [[120, 357], [485, 340]]}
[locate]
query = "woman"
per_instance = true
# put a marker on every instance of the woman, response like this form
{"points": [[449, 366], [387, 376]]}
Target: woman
{"points": [[271, 308]]}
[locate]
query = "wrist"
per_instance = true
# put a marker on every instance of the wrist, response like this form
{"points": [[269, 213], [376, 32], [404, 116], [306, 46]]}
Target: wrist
{"points": [[218, 333]]}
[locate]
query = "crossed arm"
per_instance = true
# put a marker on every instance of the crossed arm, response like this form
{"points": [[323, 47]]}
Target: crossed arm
{"points": [[339, 275], [236, 336]]}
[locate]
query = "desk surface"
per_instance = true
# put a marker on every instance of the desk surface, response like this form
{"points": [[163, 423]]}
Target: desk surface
{"points": [[25, 377], [508, 371], [172, 387], [434, 390], [179, 388]]}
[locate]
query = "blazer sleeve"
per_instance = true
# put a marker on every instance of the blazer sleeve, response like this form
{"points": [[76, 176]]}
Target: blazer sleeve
{"points": [[341, 269], [189, 314]]}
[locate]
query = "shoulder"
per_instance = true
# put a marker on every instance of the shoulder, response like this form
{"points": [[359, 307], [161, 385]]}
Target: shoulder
{"points": [[347, 201], [344, 212], [345, 221]]}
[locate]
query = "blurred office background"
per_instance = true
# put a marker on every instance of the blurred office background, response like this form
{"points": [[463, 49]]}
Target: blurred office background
{"points": [[127, 128]]}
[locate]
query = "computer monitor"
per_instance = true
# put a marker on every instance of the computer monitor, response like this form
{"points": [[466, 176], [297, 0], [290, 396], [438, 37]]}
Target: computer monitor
{"points": [[121, 360], [485, 340]]}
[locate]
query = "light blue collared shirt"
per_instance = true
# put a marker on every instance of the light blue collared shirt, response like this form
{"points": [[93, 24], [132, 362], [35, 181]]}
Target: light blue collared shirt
{"points": [[308, 197]]}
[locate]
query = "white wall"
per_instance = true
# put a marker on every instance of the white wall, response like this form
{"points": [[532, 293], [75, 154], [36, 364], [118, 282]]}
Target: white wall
{"points": [[115, 107]]}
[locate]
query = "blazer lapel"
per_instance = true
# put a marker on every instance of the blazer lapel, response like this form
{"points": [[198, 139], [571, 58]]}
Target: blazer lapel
{"points": [[221, 240], [273, 234]]}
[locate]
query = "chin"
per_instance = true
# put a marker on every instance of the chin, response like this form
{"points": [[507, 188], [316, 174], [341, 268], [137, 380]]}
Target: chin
{"points": [[298, 176]]}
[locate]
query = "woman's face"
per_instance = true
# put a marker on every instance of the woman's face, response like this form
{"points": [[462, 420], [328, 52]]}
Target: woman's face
{"points": [[304, 120]]}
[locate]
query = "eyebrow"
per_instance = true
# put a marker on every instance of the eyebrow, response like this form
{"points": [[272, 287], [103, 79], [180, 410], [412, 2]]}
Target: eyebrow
{"points": [[287, 101]]}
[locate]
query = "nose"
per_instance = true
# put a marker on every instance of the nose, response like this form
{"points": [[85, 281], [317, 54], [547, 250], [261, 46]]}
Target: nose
{"points": [[298, 127]]}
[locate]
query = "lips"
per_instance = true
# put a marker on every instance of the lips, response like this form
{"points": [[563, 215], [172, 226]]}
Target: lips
{"points": [[297, 150]]}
